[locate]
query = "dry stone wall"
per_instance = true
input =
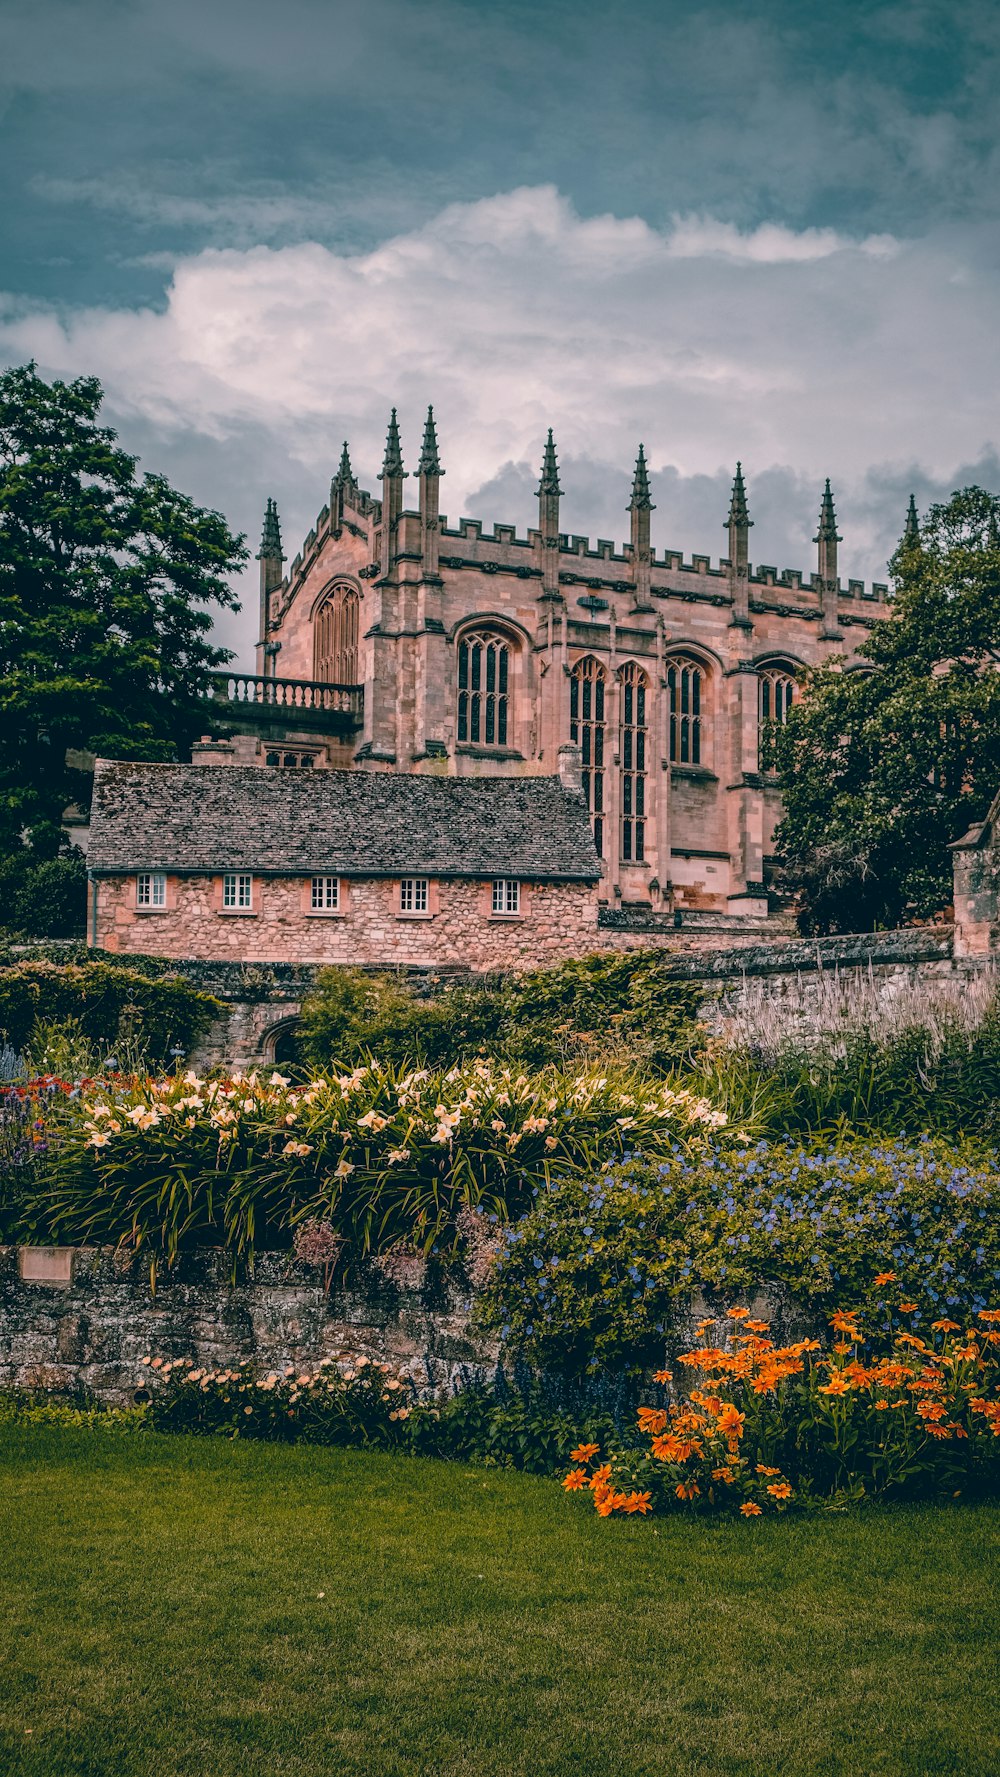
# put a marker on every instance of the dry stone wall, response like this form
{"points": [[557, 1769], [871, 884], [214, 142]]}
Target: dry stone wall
{"points": [[83, 1319]]}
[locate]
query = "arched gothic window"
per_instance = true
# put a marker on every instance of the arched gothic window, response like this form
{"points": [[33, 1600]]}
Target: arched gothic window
{"points": [[483, 690], [586, 728], [335, 637], [775, 695], [777, 692], [632, 749], [686, 685]]}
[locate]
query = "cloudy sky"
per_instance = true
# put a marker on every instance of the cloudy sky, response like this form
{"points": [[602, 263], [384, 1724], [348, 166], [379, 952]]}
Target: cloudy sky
{"points": [[767, 233]]}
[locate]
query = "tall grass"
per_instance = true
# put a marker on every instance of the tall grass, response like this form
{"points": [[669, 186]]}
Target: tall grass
{"points": [[836, 1053]]}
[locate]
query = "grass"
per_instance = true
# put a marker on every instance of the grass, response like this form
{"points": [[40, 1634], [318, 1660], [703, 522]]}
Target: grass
{"points": [[173, 1606]]}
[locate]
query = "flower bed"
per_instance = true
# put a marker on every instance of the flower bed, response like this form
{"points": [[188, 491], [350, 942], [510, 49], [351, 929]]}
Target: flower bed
{"points": [[385, 1156], [592, 1276], [767, 1427]]}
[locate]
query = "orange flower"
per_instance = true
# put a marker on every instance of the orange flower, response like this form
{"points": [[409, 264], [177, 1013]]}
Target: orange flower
{"points": [[604, 1503], [750, 1510], [932, 1410], [780, 1490], [673, 1449], [842, 1322], [945, 1326], [722, 1474], [762, 1469], [652, 1420], [663, 1376], [600, 1477], [575, 1480], [687, 1489], [739, 1314], [638, 1502], [731, 1425], [907, 1307], [989, 1314], [758, 1326], [584, 1452], [885, 1277], [838, 1384]]}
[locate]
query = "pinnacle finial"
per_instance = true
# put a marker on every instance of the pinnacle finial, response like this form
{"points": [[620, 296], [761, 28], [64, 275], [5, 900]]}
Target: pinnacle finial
{"points": [[549, 483], [911, 529], [270, 538], [429, 463], [739, 512], [345, 474], [392, 467], [640, 501], [827, 532]]}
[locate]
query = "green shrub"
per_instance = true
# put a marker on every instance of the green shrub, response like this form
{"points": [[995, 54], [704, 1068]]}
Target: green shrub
{"points": [[382, 1155], [592, 1275], [44, 898], [615, 1008], [106, 1001]]}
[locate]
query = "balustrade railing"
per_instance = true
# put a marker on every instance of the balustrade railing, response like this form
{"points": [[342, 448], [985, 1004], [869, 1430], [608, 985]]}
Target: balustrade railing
{"points": [[255, 690]]}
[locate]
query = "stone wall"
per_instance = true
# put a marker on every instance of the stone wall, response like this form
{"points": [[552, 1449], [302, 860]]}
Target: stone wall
{"points": [[557, 920], [80, 1319], [263, 1001]]}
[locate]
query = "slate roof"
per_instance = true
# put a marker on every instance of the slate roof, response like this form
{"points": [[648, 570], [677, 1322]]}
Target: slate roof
{"points": [[204, 818]]}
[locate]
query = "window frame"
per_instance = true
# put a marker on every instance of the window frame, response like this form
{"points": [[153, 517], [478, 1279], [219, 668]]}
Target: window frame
{"points": [[588, 718], [156, 900], [237, 904], [479, 704], [633, 770], [505, 898], [772, 675], [413, 897], [687, 726], [325, 905]]}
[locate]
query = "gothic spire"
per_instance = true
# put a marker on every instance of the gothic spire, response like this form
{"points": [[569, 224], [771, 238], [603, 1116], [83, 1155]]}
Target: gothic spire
{"points": [[550, 471], [739, 512], [640, 501], [392, 467], [429, 463], [827, 532], [911, 529], [345, 474], [270, 540]]}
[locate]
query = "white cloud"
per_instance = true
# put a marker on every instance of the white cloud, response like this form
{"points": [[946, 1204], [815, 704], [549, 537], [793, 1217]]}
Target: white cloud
{"points": [[692, 237], [835, 357]]}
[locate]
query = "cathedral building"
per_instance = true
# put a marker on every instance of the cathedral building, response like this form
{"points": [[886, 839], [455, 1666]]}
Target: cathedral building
{"points": [[398, 643]]}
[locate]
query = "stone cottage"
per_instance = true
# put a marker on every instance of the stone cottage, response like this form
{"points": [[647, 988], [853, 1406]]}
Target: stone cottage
{"points": [[230, 862]]}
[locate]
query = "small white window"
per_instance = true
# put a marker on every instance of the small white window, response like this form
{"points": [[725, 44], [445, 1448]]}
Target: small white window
{"points": [[151, 889], [237, 891], [413, 894], [506, 896], [325, 894]]}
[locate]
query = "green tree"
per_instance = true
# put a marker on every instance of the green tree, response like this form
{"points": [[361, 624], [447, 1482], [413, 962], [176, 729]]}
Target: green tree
{"points": [[883, 766], [107, 583]]}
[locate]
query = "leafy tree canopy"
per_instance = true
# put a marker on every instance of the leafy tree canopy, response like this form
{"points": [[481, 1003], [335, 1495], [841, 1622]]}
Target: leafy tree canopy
{"points": [[107, 583], [882, 767]]}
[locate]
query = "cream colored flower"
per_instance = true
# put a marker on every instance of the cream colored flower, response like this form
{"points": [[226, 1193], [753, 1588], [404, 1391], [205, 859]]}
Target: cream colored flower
{"points": [[344, 1169]]}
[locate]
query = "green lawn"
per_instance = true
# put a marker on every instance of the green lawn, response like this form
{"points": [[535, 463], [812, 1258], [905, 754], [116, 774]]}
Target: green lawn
{"points": [[220, 1610]]}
